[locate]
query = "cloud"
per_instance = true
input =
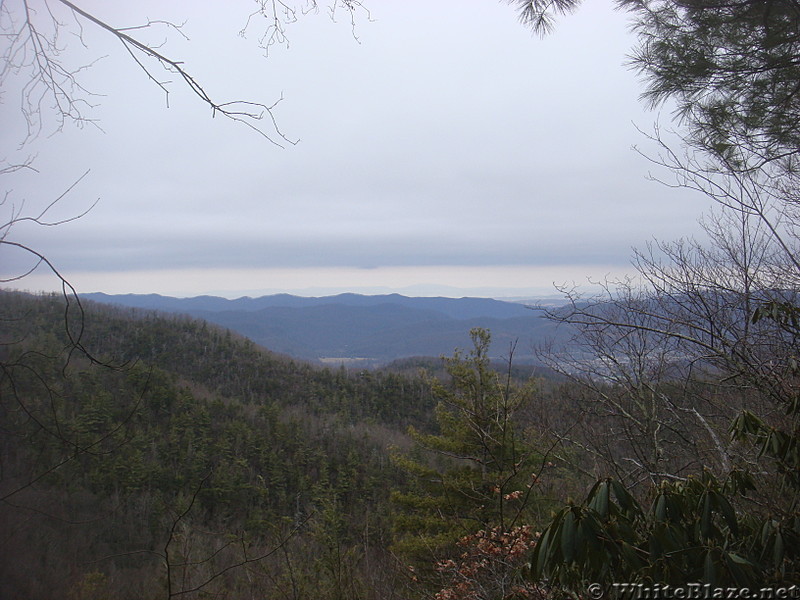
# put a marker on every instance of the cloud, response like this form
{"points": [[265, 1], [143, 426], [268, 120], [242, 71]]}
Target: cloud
{"points": [[447, 137]]}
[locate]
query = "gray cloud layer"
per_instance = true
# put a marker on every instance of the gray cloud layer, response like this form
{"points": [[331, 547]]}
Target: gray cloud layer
{"points": [[447, 136]]}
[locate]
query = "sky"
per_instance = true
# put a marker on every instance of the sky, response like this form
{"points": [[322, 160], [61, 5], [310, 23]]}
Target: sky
{"points": [[437, 148]]}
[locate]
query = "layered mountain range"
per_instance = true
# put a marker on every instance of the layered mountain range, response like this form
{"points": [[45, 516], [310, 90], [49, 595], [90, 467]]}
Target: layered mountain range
{"points": [[352, 327]]}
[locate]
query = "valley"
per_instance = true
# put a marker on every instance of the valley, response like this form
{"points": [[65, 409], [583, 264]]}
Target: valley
{"points": [[367, 330]]}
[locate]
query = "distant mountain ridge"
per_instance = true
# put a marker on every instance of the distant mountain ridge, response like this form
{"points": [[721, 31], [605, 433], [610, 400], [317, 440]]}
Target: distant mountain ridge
{"points": [[345, 327], [458, 308]]}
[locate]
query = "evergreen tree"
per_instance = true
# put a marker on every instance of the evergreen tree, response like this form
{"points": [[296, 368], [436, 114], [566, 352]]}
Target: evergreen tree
{"points": [[478, 471]]}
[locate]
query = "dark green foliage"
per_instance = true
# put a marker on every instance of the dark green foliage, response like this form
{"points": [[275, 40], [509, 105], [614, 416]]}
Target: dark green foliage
{"points": [[690, 533], [732, 69]]}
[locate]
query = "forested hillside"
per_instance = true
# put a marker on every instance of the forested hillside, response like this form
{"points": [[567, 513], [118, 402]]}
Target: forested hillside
{"points": [[157, 456], [148, 456]]}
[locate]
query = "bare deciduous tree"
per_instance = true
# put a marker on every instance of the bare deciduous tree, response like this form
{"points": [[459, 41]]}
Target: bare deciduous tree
{"points": [[671, 357], [35, 51]]}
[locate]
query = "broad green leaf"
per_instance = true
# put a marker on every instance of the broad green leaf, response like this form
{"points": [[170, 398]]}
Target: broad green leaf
{"points": [[661, 508], [600, 501], [541, 553], [726, 510], [568, 541], [778, 550]]}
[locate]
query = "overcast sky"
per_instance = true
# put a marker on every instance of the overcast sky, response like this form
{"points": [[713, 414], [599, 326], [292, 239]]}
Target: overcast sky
{"points": [[445, 151]]}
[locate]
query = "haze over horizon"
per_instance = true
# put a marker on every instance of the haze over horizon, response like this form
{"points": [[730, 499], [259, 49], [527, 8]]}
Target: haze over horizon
{"points": [[485, 283], [453, 155]]}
